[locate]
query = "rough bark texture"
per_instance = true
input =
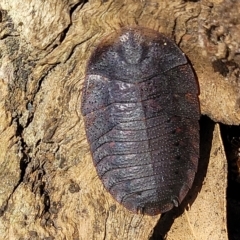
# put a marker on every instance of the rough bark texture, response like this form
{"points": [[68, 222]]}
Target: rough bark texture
{"points": [[49, 188]]}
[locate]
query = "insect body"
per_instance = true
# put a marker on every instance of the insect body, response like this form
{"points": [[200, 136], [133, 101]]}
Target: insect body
{"points": [[141, 111]]}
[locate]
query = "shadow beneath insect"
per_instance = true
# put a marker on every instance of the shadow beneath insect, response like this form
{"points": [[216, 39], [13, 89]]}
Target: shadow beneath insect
{"points": [[165, 222]]}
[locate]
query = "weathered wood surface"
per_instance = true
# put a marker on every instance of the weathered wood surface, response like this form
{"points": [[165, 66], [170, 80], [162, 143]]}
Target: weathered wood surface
{"points": [[49, 188]]}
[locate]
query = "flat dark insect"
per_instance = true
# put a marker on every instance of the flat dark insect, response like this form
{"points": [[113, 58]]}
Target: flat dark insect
{"points": [[141, 110]]}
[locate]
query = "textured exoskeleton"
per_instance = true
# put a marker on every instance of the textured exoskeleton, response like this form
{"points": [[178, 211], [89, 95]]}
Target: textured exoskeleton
{"points": [[141, 110]]}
